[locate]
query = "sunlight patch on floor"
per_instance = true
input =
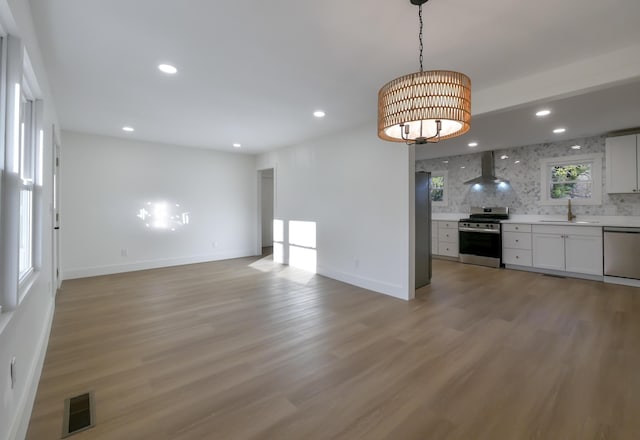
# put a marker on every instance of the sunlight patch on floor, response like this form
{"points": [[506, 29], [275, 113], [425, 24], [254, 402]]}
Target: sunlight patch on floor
{"points": [[266, 264]]}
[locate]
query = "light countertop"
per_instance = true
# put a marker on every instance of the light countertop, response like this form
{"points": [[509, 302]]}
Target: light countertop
{"points": [[581, 220]]}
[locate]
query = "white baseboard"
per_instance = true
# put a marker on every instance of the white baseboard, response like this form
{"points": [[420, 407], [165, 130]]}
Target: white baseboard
{"points": [[558, 273], [84, 272], [20, 424], [623, 281], [394, 290]]}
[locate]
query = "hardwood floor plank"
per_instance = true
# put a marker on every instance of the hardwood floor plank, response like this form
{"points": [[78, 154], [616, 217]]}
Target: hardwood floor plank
{"points": [[249, 349]]}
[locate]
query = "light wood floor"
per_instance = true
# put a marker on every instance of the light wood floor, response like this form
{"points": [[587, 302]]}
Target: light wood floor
{"points": [[245, 349]]}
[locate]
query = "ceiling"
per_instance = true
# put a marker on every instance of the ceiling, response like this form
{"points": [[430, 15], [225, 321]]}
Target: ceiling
{"points": [[253, 72], [591, 113]]}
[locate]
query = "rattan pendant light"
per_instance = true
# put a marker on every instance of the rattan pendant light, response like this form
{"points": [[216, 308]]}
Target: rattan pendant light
{"points": [[425, 106]]}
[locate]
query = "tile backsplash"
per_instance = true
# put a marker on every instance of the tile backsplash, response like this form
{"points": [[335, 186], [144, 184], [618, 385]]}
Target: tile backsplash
{"points": [[522, 196]]}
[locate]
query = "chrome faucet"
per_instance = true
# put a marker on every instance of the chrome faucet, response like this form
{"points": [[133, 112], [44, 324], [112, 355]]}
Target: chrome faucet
{"points": [[570, 215]]}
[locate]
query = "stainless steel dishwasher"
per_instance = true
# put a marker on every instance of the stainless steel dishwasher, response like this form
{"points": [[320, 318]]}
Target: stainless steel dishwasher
{"points": [[622, 252]]}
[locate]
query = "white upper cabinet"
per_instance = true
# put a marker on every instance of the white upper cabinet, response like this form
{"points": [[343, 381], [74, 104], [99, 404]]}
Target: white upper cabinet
{"points": [[622, 164]]}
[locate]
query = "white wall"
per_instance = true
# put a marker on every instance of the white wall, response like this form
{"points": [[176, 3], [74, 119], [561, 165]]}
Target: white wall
{"points": [[24, 332], [356, 188], [267, 207], [106, 181]]}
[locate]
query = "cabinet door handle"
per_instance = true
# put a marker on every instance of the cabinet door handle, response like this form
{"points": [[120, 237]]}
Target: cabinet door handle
{"points": [[517, 241], [517, 257], [516, 228]]}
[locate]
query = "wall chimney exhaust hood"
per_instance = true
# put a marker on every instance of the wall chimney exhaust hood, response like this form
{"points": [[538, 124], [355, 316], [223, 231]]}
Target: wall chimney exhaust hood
{"points": [[488, 175]]}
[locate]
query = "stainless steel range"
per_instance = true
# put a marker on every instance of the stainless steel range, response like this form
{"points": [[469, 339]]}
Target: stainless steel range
{"points": [[480, 236]]}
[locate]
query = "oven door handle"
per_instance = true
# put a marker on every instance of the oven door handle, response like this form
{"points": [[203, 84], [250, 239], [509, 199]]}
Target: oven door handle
{"points": [[482, 231]]}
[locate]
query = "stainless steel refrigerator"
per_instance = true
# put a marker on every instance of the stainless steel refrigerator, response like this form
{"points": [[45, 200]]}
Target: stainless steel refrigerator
{"points": [[423, 229]]}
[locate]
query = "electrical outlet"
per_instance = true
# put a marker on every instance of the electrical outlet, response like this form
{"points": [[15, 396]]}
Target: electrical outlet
{"points": [[124, 252], [356, 263], [12, 371], [214, 244]]}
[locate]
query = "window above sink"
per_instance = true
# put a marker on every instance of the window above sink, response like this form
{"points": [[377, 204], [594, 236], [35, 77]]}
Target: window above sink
{"points": [[577, 178]]}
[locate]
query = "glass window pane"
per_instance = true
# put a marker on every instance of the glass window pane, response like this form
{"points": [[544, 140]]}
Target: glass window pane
{"points": [[572, 190], [437, 188], [571, 181], [573, 172], [26, 209], [27, 143]]}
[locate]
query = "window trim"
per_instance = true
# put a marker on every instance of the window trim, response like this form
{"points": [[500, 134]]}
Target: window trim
{"points": [[445, 188], [596, 178], [26, 282], [22, 174]]}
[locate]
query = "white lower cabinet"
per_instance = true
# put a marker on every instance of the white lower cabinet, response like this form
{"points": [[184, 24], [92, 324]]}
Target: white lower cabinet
{"points": [[434, 237], [516, 257], [516, 244], [548, 251], [444, 238], [583, 254], [576, 249], [434, 242]]}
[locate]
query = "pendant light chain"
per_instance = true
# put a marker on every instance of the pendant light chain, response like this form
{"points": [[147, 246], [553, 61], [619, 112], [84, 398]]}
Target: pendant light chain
{"points": [[420, 35]]}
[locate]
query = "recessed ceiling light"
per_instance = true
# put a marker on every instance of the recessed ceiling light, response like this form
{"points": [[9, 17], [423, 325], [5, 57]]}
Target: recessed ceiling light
{"points": [[473, 144], [543, 113], [576, 147], [128, 129], [236, 145], [168, 69], [517, 161], [462, 168], [319, 114], [559, 130], [504, 156], [445, 161]]}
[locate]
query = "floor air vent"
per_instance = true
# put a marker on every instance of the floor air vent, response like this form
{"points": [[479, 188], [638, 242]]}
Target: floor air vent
{"points": [[79, 414]]}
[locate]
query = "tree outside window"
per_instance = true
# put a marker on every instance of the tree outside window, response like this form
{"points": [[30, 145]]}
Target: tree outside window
{"points": [[439, 188], [571, 181]]}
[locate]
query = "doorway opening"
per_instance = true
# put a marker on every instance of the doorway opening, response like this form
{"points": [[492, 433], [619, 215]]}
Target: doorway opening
{"points": [[266, 210]]}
